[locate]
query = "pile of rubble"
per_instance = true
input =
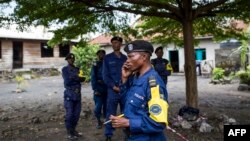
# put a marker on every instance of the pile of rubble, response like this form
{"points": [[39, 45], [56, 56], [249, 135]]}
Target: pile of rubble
{"points": [[6, 75], [189, 118], [225, 80], [244, 87], [10, 75]]}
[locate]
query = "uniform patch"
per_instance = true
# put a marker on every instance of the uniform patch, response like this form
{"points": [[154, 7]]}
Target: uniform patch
{"points": [[112, 62], [155, 109], [139, 96]]}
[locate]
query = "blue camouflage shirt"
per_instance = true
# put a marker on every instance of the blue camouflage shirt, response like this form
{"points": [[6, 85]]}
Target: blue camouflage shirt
{"points": [[137, 91]]}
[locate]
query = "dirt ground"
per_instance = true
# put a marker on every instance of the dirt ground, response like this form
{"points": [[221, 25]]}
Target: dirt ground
{"points": [[38, 113]]}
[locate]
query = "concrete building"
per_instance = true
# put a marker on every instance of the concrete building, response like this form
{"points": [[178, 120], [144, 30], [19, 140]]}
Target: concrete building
{"points": [[29, 49]]}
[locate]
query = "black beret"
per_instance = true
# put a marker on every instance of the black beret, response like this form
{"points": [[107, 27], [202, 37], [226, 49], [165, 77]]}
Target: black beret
{"points": [[139, 46], [70, 55], [158, 48], [101, 50], [116, 38]]}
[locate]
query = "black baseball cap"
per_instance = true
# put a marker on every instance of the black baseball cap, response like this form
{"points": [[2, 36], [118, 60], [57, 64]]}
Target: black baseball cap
{"points": [[139, 46], [158, 48], [117, 38], [70, 56], [101, 50]]}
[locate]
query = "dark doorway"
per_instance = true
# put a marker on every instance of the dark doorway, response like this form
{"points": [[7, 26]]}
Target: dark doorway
{"points": [[174, 60], [17, 55]]}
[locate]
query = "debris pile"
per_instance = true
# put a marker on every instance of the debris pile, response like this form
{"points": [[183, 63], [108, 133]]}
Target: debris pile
{"points": [[189, 118]]}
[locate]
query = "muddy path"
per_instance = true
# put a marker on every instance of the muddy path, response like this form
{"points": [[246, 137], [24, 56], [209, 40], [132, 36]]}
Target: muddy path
{"points": [[38, 113]]}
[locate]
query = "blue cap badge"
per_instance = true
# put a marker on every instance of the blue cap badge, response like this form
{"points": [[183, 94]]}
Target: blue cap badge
{"points": [[130, 47]]}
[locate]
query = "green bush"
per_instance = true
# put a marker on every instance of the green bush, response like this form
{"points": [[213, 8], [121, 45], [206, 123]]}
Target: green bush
{"points": [[244, 76], [84, 56], [218, 74]]}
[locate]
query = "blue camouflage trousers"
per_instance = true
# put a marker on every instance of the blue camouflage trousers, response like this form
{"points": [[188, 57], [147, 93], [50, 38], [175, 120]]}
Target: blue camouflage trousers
{"points": [[73, 110]]}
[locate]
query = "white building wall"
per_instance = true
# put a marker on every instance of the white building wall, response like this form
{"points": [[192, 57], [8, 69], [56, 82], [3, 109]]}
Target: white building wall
{"points": [[210, 47], [181, 60]]}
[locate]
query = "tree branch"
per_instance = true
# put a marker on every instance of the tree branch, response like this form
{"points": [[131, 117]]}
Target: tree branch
{"points": [[109, 8], [166, 6], [172, 14], [208, 7], [179, 4], [145, 13], [155, 4]]}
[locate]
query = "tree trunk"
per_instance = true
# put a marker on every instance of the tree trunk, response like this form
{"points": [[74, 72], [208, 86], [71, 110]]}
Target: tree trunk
{"points": [[190, 67]]}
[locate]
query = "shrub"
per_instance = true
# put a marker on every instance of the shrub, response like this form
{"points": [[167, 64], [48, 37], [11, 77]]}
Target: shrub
{"points": [[21, 82], [84, 57], [218, 74], [244, 76]]}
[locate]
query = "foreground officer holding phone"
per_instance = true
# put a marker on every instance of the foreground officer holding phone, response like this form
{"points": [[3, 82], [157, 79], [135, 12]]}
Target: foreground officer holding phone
{"points": [[145, 113]]}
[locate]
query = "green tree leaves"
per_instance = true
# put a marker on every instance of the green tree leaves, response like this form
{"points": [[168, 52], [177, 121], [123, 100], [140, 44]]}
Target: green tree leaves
{"points": [[84, 57]]}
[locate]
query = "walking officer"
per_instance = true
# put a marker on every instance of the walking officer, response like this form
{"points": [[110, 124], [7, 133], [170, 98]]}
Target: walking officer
{"points": [[112, 67], [145, 113], [72, 96], [99, 88]]}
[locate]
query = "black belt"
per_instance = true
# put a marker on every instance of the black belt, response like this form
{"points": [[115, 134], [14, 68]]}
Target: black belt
{"points": [[76, 90], [100, 81]]}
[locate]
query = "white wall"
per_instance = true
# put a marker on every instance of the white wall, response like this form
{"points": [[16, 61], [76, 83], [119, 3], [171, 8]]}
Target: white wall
{"points": [[208, 45]]}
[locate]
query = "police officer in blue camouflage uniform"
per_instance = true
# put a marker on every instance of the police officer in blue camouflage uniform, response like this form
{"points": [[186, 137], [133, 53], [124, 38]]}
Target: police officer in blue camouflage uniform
{"points": [[99, 88], [112, 66], [161, 65], [138, 116], [72, 96]]}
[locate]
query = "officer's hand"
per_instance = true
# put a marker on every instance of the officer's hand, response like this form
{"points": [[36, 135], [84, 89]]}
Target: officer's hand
{"points": [[116, 89], [119, 122], [82, 79], [126, 72]]}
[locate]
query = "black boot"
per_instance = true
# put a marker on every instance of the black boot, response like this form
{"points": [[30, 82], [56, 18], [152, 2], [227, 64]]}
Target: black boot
{"points": [[99, 124], [70, 135], [77, 134], [108, 139]]}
